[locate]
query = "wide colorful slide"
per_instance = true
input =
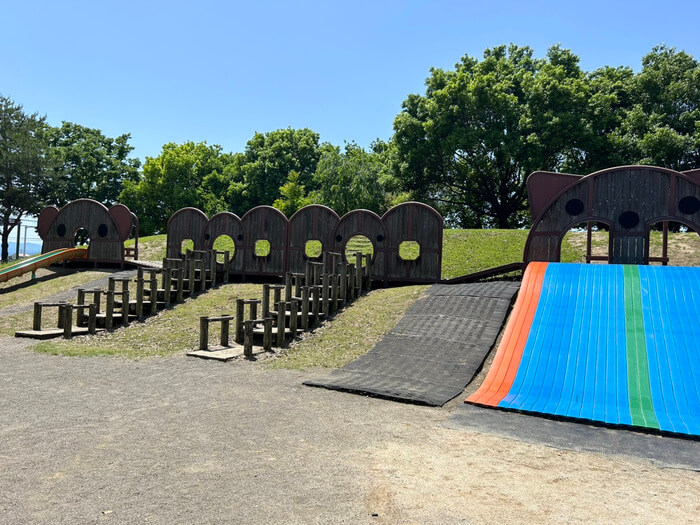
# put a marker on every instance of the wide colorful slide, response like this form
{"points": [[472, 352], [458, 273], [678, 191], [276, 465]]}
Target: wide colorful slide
{"points": [[44, 260], [618, 344]]}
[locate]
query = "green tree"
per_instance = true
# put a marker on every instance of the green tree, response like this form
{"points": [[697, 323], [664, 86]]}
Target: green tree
{"points": [[292, 195], [350, 180], [24, 181], [173, 180], [87, 164], [469, 143]]}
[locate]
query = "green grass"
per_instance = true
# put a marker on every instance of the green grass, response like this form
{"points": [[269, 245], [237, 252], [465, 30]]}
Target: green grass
{"points": [[353, 332], [468, 251]]}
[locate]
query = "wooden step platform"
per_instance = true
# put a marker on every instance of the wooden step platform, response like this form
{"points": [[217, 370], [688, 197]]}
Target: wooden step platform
{"points": [[52, 333], [224, 353]]}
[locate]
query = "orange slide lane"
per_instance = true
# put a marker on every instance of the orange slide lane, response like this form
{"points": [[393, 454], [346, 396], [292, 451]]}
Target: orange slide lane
{"points": [[505, 365]]}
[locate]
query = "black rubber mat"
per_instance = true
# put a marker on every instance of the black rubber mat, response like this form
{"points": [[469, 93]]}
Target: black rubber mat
{"points": [[435, 350]]}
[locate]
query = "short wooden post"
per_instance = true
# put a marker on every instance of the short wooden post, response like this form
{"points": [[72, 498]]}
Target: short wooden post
{"points": [[315, 304], [81, 296], [212, 267], [227, 260], [190, 277], [248, 339], [294, 317], [167, 285], [253, 310], [109, 310], [92, 318], [358, 272], [298, 278], [202, 275], [180, 284], [326, 294], [204, 333], [154, 291], [277, 295], [125, 307], [267, 334], [288, 287], [225, 323], [97, 298], [305, 307], [281, 311], [36, 322], [238, 327], [139, 294], [351, 282], [61, 316], [111, 284], [343, 282], [309, 273], [68, 321], [265, 300], [334, 292]]}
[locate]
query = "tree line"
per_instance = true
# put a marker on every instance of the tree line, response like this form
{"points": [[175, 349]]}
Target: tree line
{"points": [[465, 146]]}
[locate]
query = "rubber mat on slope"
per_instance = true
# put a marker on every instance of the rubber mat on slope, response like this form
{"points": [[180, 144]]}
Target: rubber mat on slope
{"points": [[434, 351], [610, 343]]}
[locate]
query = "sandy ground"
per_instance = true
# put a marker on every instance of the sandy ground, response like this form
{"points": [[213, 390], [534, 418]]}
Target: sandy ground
{"points": [[178, 440]]}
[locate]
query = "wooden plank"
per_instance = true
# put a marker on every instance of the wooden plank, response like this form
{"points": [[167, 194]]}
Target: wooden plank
{"points": [[220, 353]]}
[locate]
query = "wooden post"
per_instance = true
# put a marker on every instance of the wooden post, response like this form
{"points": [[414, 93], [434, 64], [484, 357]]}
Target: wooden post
{"points": [[253, 310], [109, 310], [294, 317], [281, 309], [309, 273], [314, 304], [248, 339], [36, 322], [61, 317], [265, 300], [288, 287], [277, 295], [68, 321], [225, 322], [97, 298], [154, 292], [334, 292], [298, 278], [139, 294], [227, 261], [204, 333], [267, 334], [92, 318], [125, 307], [167, 285], [343, 282], [358, 272], [191, 274], [325, 296], [238, 337], [305, 307], [351, 281], [111, 284], [202, 275], [212, 267], [81, 296]]}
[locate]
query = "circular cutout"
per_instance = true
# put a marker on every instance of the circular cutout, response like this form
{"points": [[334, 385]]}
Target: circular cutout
{"points": [[81, 237], [102, 230], [262, 248], [380, 238], [338, 238], [628, 219], [223, 243], [61, 230], [689, 205], [313, 249], [358, 243], [574, 207], [186, 244], [240, 237], [207, 236], [409, 251]]}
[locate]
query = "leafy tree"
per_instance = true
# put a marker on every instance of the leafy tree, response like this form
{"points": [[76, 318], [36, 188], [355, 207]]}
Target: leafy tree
{"points": [[173, 180], [350, 180], [468, 144], [24, 181], [292, 195], [88, 164]]}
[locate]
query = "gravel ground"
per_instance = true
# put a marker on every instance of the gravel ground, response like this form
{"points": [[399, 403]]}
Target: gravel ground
{"points": [[180, 440]]}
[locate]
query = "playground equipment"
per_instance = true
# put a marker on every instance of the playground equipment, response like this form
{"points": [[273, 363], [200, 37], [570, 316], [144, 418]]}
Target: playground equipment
{"points": [[317, 293], [409, 222], [32, 264], [107, 229], [616, 344], [629, 200]]}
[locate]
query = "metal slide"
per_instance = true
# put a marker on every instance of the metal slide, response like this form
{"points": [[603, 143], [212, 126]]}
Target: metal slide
{"points": [[618, 344], [32, 264]]}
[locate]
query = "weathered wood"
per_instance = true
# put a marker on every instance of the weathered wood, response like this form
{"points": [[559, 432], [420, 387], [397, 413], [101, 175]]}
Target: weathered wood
{"points": [[315, 290], [125, 307], [305, 307], [325, 297], [92, 319], [36, 320], [67, 321], [109, 310], [310, 223], [288, 286], [240, 312], [269, 224], [139, 294], [153, 291], [343, 282], [265, 300], [230, 225], [225, 324], [167, 286], [187, 223], [294, 317], [248, 339], [204, 333], [281, 309], [267, 334], [334, 293], [180, 284]]}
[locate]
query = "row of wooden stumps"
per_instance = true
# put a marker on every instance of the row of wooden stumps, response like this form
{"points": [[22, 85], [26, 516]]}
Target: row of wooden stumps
{"points": [[155, 289], [286, 309]]}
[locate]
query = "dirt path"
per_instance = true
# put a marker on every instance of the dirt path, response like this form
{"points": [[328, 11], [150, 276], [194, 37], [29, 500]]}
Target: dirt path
{"points": [[176, 440]]}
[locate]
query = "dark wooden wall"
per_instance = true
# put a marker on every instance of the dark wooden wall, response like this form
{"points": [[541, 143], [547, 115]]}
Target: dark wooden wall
{"points": [[107, 228], [406, 222], [628, 199]]}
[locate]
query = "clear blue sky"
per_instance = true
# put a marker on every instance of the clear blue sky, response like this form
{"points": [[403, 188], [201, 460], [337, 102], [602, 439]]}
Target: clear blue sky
{"points": [[219, 71]]}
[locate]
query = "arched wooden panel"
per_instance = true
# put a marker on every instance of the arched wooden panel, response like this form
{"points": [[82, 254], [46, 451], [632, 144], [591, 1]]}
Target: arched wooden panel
{"points": [[626, 197], [269, 224], [106, 243], [315, 223], [414, 222], [187, 223], [369, 224], [230, 224]]}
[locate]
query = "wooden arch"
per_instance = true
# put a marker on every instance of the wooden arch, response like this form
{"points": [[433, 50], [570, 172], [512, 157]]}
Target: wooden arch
{"points": [[107, 228], [369, 224], [310, 223], [416, 222], [187, 223], [628, 198], [264, 223], [227, 223]]}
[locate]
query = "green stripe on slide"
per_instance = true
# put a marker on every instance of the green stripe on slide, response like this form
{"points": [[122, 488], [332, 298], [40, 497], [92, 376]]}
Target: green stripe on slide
{"points": [[638, 387]]}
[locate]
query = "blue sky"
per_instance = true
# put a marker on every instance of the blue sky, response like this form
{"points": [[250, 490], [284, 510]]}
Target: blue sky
{"points": [[219, 71]]}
